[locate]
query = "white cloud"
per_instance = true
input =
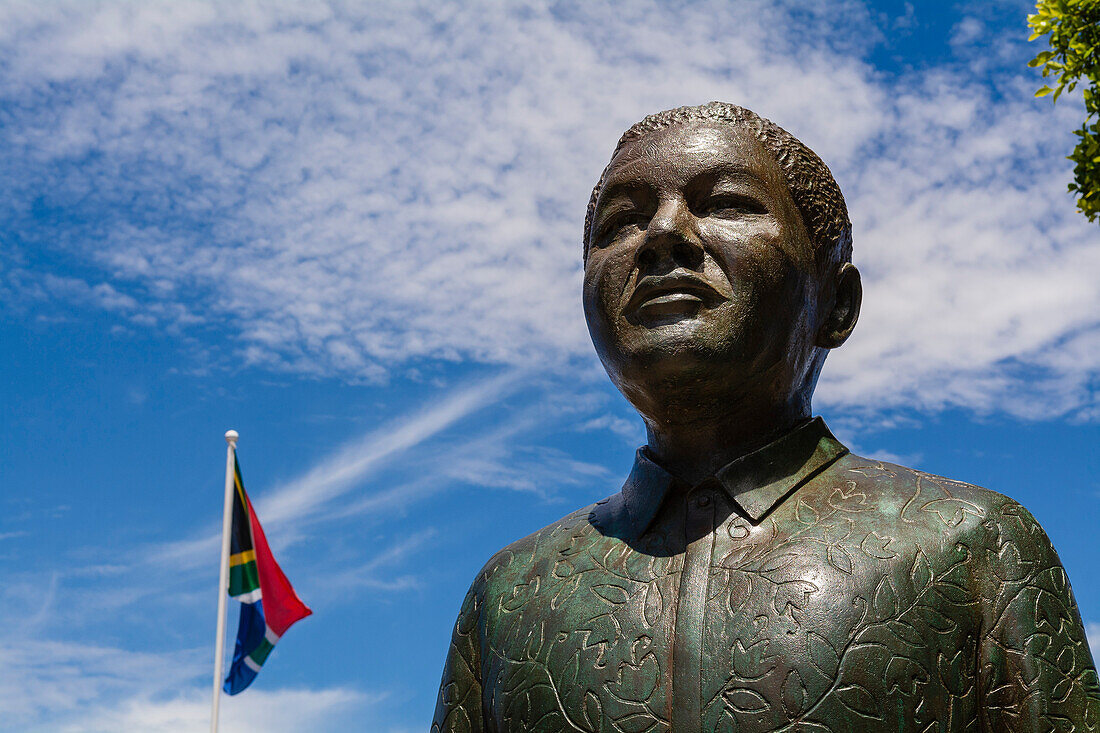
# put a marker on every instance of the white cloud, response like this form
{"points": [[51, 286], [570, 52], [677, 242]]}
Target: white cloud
{"points": [[61, 686], [887, 456], [366, 575], [51, 679], [366, 482], [79, 688], [348, 467], [261, 711], [632, 431], [1093, 631], [364, 187]]}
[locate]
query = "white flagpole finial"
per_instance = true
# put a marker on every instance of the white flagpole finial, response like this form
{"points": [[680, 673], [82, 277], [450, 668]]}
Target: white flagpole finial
{"points": [[231, 436]]}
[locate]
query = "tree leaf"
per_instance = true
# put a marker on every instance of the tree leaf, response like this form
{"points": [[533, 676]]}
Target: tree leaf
{"points": [[568, 588], [636, 682], [877, 546], [603, 629], [1004, 696], [1009, 565]]}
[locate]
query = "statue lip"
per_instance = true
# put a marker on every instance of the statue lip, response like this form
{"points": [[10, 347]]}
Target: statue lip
{"points": [[677, 286]]}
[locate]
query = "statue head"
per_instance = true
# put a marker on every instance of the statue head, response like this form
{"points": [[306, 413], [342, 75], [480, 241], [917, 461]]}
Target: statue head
{"points": [[718, 273]]}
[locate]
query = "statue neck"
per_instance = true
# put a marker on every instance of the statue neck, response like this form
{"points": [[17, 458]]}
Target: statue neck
{"points": [[695, 448]]}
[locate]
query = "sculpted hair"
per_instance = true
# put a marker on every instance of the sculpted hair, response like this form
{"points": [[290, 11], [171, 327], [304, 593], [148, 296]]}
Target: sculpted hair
{"points": [[815, 192]]}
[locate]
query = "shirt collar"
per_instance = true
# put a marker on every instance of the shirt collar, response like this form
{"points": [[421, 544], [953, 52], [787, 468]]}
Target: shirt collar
{"points": [[755, 482]]}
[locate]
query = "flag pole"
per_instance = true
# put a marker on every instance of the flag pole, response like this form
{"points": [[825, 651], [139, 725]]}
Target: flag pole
{"points": [[223, 574]]}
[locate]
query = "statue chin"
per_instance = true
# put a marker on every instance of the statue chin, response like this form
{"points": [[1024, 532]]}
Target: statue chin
{"points": [[724, 364]]}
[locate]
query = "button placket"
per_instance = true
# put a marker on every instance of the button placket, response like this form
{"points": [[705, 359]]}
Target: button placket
{"points": [[699, 526]]}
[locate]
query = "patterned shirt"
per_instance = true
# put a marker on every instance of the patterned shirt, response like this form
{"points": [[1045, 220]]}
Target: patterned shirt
{"points": [[801, 588]]}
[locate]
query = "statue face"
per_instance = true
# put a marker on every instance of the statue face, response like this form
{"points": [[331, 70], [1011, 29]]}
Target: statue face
{"points": [[700, 268]]}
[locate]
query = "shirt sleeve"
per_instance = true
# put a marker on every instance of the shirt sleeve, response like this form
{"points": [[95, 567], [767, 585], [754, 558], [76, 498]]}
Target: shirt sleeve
{"points": [[1036, 672], [458, 708]]}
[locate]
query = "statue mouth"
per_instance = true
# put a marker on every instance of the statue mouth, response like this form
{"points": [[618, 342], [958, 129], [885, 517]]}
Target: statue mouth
{"points": [[675, 293]]}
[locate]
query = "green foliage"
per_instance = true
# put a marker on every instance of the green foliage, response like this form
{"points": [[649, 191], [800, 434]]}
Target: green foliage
{"points": [[1073, 27]]}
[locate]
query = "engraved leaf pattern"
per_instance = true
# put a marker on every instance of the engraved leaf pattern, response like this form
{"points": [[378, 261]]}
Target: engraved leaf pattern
{"points": [[794, 693], [958, 617], [840, 559], [857, 699], [823, 654], [921, 573], [613, 594], [886, 599], [805, 513], [745, 700], [654, 603]]}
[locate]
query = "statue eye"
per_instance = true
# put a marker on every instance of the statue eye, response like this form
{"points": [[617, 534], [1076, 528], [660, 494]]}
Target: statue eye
{"points": [[619, 224], [728, 206]]}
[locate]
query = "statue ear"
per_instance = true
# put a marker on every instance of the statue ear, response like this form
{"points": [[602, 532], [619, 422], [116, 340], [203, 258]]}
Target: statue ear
{"points": [[841, 319]]}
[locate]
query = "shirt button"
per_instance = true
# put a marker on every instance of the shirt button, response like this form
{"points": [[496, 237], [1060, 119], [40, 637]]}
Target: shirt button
{"points": [[738, 531], [702, 501]]}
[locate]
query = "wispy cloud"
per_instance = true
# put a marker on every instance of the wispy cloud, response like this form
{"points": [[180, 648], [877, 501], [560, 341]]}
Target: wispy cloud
{"points": [[430, 449], [48, 598], [632, 431], [367, 575], [435, 447], [336, 474], [48, 680], [358, 204], [350, 465], [262, 711], [81, 688]]}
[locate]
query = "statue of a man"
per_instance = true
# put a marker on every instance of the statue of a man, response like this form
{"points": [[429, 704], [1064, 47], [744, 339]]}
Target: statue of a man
{"points": [[753, 574]]}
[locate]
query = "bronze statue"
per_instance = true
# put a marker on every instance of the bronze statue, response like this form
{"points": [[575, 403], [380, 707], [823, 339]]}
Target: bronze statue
{"points": [[752, 574]]}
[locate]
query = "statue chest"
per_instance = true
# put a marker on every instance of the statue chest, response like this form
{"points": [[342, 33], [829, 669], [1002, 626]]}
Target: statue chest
{"points": [[831, 614]]}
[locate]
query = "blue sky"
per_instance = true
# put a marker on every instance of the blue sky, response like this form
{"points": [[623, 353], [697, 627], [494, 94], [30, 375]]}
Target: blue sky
{"points": [[352, 233]]}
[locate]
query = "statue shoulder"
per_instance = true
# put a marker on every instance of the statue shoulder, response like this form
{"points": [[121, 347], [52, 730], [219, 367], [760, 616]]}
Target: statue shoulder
{"points": [[975, 512], [528, 555], [887, 482]]}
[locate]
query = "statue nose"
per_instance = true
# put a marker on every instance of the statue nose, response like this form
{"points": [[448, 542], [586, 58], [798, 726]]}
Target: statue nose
{"points": [[670, 240]]}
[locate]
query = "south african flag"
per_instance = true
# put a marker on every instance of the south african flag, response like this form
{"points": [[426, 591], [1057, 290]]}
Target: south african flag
{"points": [[269, 605]]}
